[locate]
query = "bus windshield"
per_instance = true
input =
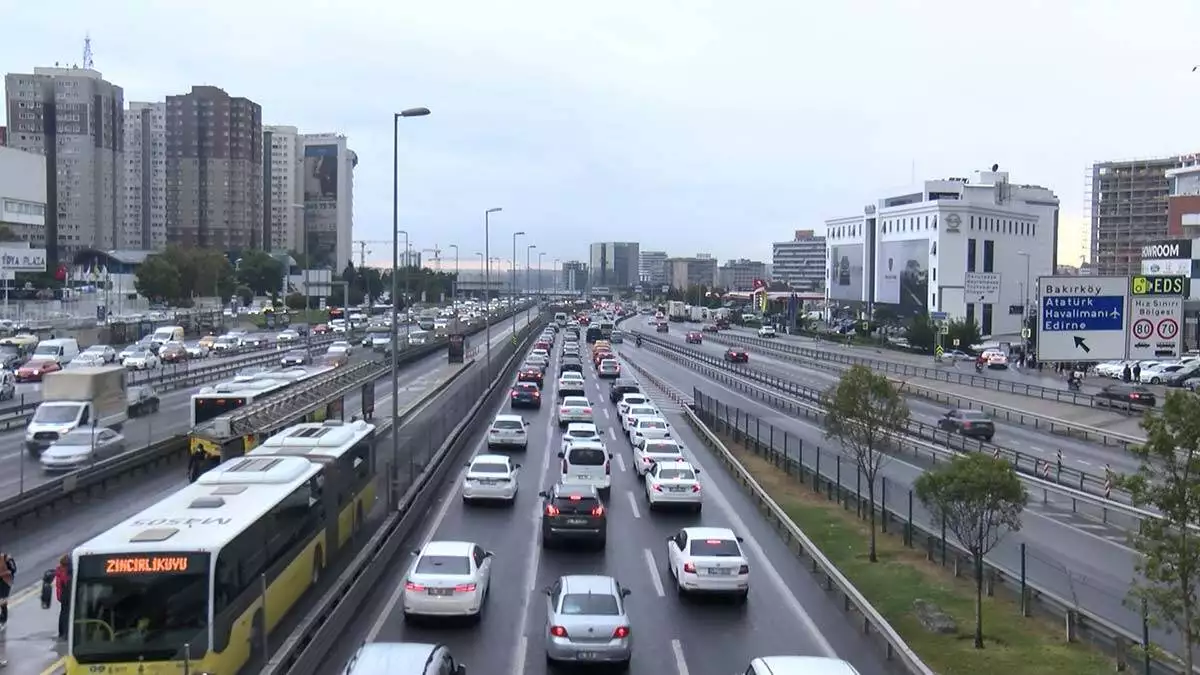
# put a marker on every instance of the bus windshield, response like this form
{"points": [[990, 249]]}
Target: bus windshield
{"points": [[205, 409], [141, 606]]}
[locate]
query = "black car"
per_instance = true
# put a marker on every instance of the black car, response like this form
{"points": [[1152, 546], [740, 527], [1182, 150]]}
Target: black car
{"points": [[970, 423], [1133, 395], [620, 387], [735, 355], [526, 395], [573, 513], [662, 327], [296, 357]]}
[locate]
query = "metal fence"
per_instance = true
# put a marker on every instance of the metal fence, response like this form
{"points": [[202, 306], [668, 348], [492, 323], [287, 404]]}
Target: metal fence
{"points": [[1095, 608]]}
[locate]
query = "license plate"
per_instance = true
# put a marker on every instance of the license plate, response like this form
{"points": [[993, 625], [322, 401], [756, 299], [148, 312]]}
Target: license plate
{"points": [[577, 521], [719, 571], [487, 482], [440, 591], [588, 656], [678, 489], [582, 477]]}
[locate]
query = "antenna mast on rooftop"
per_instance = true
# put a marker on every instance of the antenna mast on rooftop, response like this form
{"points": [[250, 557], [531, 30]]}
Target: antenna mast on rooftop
{"points": [[87, 51]]}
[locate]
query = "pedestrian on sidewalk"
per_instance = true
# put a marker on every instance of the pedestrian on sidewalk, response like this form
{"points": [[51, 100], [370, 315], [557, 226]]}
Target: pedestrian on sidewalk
{"points": [[62, 590], [8, 572]]}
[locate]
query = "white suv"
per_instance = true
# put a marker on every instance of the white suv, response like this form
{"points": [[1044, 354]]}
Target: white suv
{"points": [[766, 332], [508, 431]]}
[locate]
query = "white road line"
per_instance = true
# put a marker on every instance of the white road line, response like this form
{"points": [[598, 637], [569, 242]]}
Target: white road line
{"points": [[1037, 449], [522, 647], [655, 579], [612, 433], [606, 413], [1084, 462], [620, 462], [680, 662], [633, 506]]}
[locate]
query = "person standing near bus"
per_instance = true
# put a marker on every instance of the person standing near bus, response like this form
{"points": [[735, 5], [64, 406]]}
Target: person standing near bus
{"points": [[62, 590]]}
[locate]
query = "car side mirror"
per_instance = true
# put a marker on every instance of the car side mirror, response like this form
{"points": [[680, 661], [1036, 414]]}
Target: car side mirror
{"points": [[489, 554], [560, 455], [697, 471], [467, 464], [544, 494], [740, 540], [625, 593], [527, 424], [548, 591], [460, 669], [416, 551], [610, 455], [516, 466]]}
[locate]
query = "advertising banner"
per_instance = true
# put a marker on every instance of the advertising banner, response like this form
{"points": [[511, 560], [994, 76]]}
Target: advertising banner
{"points": [[1169, 267], [13, 259], [320, 173], [320, 206], [846, 272], [902, 277]]}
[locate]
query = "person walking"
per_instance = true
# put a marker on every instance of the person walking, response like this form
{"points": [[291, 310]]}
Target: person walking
{"points": [[1137, 373], [8, 572], [62, 590]]}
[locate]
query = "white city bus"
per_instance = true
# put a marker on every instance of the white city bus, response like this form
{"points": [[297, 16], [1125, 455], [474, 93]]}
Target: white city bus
{"points": [[192, 583], [225, 397]]}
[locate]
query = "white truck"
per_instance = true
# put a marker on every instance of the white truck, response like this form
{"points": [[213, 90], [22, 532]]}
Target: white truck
{"points": [[697, 313], [77, 397], [676, 311]]}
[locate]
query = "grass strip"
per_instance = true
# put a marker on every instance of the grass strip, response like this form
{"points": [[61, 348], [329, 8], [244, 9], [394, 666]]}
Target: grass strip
{"points": [[1013, 644]]}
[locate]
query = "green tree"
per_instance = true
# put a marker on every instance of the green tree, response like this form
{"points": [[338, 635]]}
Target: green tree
{"points": [[980, 499], [199, 272], [260, 272], [966, 332], [158, 280], [1168, 481], [336, 298], [296, 302], [244, 294], [861, 410], [920, 332]]}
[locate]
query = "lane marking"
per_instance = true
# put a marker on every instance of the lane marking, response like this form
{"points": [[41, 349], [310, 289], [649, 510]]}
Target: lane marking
{"points": [[680, 662], [655, 579], [633, 505], [606, 413], [613, 435], [621, 464]]}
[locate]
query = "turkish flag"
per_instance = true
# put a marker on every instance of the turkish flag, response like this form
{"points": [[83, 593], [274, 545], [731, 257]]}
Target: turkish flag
{"points": [[60, 274]]}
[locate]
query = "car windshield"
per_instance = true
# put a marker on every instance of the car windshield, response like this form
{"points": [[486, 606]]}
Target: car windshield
{"points": [[444, 564], [56, 414], [526, 387], [589, 604], [721, 548], [586, 456], [507, 424], [489, 467], [95, 349], [677, 474]]}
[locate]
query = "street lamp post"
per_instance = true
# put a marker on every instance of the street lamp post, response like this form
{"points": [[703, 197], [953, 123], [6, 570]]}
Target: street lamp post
{"points": [[528, 286], [541, 282], [513, 276], [395, 277], [487, 278], [411, 112], [554, 275], [454, 286]]}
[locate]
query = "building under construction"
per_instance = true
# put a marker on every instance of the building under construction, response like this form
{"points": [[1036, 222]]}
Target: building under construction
{"points": [[1128, 209]]}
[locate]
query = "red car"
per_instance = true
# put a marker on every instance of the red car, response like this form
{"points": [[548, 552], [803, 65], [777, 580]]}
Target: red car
{"points": [[542, 344], [600, 356], [694, 338], [533, 375], [735, 355], [33, 371]]}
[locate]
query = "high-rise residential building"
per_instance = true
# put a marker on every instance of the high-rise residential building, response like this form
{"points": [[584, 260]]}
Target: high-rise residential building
{"points": [[327, 185], [614, 264], [652, 268], [799, 263], [409, 258], [283, 188], [1128, 203], [574, 277], [740, 274], [684, 273], [144, 225], [23, 194], [214, 170], [75, 118]]}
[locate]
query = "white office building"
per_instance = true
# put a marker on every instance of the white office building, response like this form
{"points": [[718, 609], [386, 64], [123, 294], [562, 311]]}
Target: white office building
{"points": [[972, 248], [327, 188], [144, 226], [652, 268], [23, 193], [283, 188], [800, 263]]}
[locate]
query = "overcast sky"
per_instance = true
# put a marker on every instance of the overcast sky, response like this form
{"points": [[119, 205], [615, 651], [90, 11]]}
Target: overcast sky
{"points": [[690, 126]]}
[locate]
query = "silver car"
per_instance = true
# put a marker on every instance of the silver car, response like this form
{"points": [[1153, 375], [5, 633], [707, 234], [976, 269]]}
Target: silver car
{"points": [[81, 447], [586, 621]]}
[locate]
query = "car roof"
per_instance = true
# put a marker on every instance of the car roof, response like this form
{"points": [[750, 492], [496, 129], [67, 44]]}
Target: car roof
{"points": [[582, 426], [588, 584], [390, 657], [709, 533], [451, 548], [506, 417], [806, 665], [490, 459]]}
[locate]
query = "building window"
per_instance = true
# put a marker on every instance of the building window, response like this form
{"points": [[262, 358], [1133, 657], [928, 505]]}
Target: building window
{"points": [[989, 251], [970, 316], [970, 255], [985, 327]]}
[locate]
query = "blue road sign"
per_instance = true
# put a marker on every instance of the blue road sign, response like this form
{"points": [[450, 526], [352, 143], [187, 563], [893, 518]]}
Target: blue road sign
{"points": [[1075, 313], [938, 316]]}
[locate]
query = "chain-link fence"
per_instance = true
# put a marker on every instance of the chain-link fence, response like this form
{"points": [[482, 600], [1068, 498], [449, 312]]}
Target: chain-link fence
{"points": [[1094, 604]]}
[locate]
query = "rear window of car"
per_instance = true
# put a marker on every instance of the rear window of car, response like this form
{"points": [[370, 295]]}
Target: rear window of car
{"points": [[575, 402], [642, 410], [652, 424], [590, 604], [489, 467], [586, 456], [676, 474], [581, 433], [721, 548], [973, 416], [507, 424], [634, 400], [527, 386], [444, 564]]}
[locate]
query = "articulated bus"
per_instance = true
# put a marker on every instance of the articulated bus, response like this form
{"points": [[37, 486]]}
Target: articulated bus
{"points": [[225, 397], [195, 582]]}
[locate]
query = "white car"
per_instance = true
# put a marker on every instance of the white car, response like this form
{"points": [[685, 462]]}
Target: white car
{"points": [[141, 360], [571, 386], [635, 411], [629, 400], [646, 428], [105, 352], [490, 478], [538, 357], [340, 347], [287, 336], [195, 350], [708, 560], [674, 484], [581, 432], [86, 360], [574, 409], [654, 450], [1158, 373], [813, 665], [508, 431], [447, 578], [766, 332]]}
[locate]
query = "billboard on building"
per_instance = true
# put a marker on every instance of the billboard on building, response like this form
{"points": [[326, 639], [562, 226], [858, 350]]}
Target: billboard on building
{"points": [[902, 275], [1168, 257], [846, 272], [320, 206], [320, 172]]}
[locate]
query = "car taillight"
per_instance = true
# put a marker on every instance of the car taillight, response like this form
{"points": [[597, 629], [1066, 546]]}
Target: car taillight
{"points": [[558, 631], [551, 510], [621, 632], [537, 394], [690, 568], [587, 411], [598, 511], [966, 425], [696, 488], [410, 586], [656, 488], [564, 411], [464, 588], [744, 569], [514, 394]]}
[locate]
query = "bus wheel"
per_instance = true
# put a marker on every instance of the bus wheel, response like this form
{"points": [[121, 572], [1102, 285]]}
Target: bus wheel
{"points": [[257, 631], [318, 565]]}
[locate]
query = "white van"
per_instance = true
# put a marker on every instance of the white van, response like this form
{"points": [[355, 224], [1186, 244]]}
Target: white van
{"points": [[166, 334], [408, 658], [561, 319], [61, 350], [589, 463], [418, 337]]}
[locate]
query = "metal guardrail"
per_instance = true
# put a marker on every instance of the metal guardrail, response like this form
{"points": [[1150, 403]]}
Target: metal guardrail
{"points": [[303, 652], [1009, 414], [964, 379], [83, 483]]}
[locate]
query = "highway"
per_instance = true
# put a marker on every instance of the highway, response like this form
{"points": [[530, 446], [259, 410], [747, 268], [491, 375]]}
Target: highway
{"points": [[1077, 454], [787, 611], [1074, 557], [32, 649]]}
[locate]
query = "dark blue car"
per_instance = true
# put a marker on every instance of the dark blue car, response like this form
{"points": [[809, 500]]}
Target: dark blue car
{"points": [[526, 395]]}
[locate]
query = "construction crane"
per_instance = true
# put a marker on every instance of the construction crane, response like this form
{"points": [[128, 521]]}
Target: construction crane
{"points": [[87, 50], [437, 256], [362, 249]]}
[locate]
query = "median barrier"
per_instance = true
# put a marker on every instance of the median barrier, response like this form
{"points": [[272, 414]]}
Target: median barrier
{"points": [[82, 484], [319, 632]]}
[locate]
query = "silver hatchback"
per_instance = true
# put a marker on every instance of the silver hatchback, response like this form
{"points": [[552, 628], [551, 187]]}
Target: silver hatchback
{"points": [[586, 621]]}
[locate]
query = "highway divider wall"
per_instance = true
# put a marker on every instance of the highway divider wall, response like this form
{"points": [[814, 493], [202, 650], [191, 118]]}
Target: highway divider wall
{"points": [[305, 650], [84, 483]]}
